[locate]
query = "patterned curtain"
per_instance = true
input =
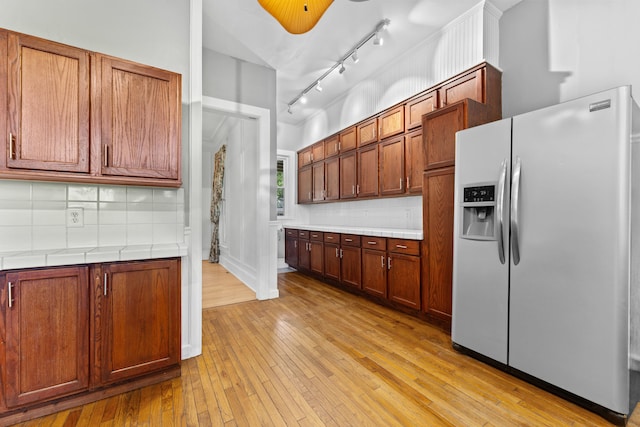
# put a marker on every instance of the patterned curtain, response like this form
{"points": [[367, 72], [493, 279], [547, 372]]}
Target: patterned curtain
{"points": [[216, 201]]}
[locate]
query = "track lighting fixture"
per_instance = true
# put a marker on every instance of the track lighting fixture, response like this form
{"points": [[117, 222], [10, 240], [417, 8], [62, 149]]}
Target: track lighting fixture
{"points": [[353, 53]]}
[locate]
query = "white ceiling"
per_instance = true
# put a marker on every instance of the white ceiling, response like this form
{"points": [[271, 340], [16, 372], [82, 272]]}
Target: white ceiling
{"points": [[242, 29]]}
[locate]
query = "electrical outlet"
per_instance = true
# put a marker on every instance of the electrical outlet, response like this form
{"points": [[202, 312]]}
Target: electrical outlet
{"points": [[75, 217]]}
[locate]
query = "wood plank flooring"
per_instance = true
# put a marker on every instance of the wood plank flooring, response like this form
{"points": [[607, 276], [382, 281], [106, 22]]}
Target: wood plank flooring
{"points": [[219, 287], [317, 356]]}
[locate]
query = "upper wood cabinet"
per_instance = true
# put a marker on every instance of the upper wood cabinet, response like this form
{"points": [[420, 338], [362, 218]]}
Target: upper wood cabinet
{"points": [[367, 132], [482, 83], [138, 318], [79, 116], [48, 105], [332, 146], [348, 175], [139, 119], [317, 171], [391, 122], [332, 179], [414, 165], [304, 157], [367, 185], [439, 130], [392, 159], [47, 334], [317, 152], [305, 185], [348, 139], [418, 106]]}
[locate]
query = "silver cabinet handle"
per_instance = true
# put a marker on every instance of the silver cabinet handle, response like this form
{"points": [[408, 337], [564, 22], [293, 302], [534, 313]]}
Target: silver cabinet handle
{"points": [[372, 243], [348, 240], [389, 263], [12, 141], [314, 235], [341, 253], [295, 243], [407, 183], [382, 259], [329, 237], [500, 210], [337, 255], [358, 189], [353, 189], [515, 195], [10, 289], [106, 156], [104, 282], [401, 180], [401, 247]]}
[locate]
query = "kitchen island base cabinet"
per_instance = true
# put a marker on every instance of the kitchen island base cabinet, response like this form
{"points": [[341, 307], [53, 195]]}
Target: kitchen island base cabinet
{"points": [[139, 319], [47, 334]]}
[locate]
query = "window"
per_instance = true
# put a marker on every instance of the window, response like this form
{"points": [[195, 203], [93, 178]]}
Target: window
{"points": [[280, 187]]}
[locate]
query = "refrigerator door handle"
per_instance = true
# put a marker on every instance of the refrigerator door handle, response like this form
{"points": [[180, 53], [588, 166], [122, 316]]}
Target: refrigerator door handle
{"points": [[500, 210], [515, 194]]}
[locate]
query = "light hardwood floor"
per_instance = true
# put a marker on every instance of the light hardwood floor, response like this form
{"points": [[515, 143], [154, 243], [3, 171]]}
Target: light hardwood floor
{"points": [[219, 287], [317, 356]]}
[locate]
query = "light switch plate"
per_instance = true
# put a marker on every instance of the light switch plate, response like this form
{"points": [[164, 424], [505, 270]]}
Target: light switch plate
{"points": [[75, 217]]}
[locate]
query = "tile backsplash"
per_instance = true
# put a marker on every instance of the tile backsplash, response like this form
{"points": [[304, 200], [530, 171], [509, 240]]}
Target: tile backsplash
{"points": [[33, 216]]}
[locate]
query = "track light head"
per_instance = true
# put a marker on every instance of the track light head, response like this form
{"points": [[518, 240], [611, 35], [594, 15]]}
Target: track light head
{"points": [[289, 109], [318, 87], [303, 99], [341, 70], [377, 40], [354, 56]]}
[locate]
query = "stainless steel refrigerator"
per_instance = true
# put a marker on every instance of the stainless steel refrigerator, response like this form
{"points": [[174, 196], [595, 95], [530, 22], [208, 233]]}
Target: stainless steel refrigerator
{"points": [[543, 240]]}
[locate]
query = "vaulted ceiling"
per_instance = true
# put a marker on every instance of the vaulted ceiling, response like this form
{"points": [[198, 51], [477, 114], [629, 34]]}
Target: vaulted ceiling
{"points": [[243, 29]]}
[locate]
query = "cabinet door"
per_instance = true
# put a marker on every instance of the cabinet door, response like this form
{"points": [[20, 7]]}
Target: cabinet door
{"points": [[316, 254], [291, 252], [348, 176], [391, 122], [48, 105], [47, 337], [417, 107], [470, 85], [318, 181], [367, 132], [437, 264], [351, 268], [392, 176], [304, 255], [374, 272], [331, 146], [317, 152], [404, 279], [305, 185], [332, 179], [140, 120], [348, 139], [367, 172], [332, 261], [139, 318], [439, 134], [304, 157], [414, 164]]}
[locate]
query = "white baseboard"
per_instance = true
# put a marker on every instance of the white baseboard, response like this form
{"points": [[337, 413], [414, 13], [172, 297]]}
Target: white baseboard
{"points": [[244, 273]]}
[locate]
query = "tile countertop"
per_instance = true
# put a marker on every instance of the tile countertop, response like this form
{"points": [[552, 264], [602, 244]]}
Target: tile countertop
{"points": [[54, 257], [398, 233]]}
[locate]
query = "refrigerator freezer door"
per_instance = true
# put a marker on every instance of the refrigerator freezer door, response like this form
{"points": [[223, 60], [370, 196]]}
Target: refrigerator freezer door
{"points": [[480, 279], [568, 295]]}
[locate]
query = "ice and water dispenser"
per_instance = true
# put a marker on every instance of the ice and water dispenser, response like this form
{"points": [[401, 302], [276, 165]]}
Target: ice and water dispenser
{"points": [[478, 211]]}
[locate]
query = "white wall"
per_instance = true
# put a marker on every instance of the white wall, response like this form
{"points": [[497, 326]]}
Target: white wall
{"points": [[557, 50]]}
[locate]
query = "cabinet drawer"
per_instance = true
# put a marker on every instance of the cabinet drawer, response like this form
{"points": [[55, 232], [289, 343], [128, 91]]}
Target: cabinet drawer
{"points": [[378, 243], [404, 246], [303, 234], [291, 232], [350, 240], [332, 238], [318, 236]]}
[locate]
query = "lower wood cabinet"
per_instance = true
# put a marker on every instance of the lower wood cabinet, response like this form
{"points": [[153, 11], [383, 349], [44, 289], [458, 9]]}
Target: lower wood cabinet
{"points": [[67, 335], [386, 268], [138, 319], [47, 334], [291, 248]]}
